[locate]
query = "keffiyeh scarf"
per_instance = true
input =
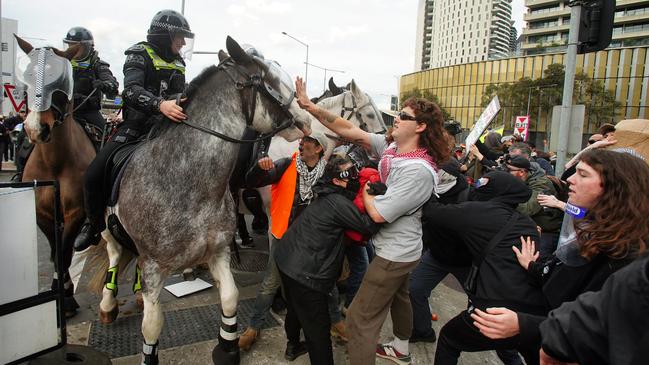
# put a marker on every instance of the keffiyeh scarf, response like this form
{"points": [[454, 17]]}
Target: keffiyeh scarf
{"points": [[308, 178], [391, 158]]}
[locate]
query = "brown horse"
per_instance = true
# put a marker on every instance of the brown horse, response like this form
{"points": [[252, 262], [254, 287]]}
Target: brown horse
{"points": [[62, 152]]}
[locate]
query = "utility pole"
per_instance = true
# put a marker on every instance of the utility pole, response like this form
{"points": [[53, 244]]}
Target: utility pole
{"points": [[568, 87]]}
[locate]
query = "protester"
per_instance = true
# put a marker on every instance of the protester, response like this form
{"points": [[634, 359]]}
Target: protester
{"points": [[489, 226], [310, 256], [409, 155], [547, 219], [292, 180], [610, 326], [604, 233]]}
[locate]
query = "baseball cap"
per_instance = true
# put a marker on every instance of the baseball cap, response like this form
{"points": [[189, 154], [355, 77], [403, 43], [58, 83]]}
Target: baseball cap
{"points": [[320, 138], [518, 162]]}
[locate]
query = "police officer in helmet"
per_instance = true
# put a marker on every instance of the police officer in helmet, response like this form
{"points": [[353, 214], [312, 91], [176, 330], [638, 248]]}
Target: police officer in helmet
{"points": [[92, 77], [154, 73]]}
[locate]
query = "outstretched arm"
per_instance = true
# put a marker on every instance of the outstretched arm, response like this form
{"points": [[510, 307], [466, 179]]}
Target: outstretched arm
{"points": [[338, 125]]}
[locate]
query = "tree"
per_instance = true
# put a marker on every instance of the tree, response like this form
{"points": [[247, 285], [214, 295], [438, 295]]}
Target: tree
{"points": [[428, 95]]}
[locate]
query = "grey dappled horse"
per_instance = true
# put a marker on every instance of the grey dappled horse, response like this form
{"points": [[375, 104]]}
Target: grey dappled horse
{"points": [[174, 200]]}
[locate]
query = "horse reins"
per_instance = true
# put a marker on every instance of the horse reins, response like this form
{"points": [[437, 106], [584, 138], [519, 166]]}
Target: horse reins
{"points": [[255, 83], [354, 110]]}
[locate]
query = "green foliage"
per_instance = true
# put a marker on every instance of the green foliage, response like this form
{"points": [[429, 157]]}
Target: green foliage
{"points": [[428, 95], [543, 94]]}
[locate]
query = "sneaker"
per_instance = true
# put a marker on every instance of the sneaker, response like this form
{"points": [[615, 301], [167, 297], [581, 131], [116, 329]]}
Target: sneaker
{"points": [[88, 236], [294, 350], [338, 331], [248, 338], [428, 338], [386, 351]]}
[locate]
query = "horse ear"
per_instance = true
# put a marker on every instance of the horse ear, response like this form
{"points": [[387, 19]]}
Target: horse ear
{"points": [[69, 53], [223, 55], [356, 91], [335, 90], [236, 52], [23, 44]]}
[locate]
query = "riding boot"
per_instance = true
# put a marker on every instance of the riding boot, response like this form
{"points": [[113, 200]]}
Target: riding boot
{"points": [[88, 236]]}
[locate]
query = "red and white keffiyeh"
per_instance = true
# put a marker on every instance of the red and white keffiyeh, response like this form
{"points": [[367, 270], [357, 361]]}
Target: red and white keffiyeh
{"points": [[391, 158]]}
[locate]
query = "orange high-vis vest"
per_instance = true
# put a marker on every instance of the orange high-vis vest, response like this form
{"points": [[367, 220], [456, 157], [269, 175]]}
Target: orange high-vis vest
{"points": [[282, 195]]}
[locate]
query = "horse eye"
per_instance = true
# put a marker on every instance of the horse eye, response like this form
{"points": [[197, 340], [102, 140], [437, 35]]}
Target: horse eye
{"points": [[371, 116]]}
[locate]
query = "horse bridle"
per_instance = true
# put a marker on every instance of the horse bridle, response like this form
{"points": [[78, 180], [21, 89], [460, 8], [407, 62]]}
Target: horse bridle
{"points": [[256, 85], [354, 110]]}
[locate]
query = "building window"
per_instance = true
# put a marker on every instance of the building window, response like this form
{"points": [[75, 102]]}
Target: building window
{"points": [[5, 47]]}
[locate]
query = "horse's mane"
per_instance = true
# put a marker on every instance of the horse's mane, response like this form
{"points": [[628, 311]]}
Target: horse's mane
{"points": [[199, 80]]}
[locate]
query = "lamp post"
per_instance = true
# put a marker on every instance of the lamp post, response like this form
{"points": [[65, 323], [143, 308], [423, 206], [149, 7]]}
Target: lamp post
{"points": [[306, 72], [324, 82]]}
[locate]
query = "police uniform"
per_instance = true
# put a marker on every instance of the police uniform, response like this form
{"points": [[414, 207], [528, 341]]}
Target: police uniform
{"points": [[148, 80], [89, 73]]}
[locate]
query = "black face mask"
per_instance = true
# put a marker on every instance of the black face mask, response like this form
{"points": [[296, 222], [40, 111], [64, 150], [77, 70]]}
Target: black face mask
{"points": [[353, 186]]}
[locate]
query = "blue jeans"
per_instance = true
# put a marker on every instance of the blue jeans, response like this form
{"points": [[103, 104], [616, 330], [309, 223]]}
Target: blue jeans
{"points": [[267, 290], [358, 258], [428, 273]]}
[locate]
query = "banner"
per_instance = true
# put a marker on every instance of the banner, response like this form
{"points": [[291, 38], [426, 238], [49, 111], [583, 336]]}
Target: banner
{"points": [[521, 127], [483, 122]]}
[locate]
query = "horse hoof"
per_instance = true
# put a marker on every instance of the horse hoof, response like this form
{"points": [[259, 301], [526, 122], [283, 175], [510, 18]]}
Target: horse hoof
{"points": [[108, 317], [222, 357], [139, 301], [189, 276], [150, 359]]}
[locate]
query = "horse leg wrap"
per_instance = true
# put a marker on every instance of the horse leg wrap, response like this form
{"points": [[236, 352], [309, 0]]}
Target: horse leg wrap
{"points": [[227, 351], [137, 284], [150, 354], [111, 280]]}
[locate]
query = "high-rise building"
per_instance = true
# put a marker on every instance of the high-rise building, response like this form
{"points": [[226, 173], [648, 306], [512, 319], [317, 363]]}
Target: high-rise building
{"points": [[513, 38], [451, 32], [548, 24], [424, 34]]}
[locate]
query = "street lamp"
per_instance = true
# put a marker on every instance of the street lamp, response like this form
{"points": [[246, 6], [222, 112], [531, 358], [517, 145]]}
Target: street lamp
{"points": [[306, 72], [324, 82]]}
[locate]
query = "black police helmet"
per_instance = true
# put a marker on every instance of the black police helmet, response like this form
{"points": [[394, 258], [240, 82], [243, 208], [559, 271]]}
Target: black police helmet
{"points": [[78, 34], [169, 22]]}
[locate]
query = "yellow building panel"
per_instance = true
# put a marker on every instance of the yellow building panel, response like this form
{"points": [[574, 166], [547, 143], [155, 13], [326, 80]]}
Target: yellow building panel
{"points": [[580, 63], [538, 67], [612, 66], [601, 59], [636, 80], [626, 56], [520, 68], [589, 64]]}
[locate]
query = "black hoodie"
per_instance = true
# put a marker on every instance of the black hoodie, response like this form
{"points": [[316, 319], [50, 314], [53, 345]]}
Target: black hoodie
{"points": [[311, 251], [501, 282]]}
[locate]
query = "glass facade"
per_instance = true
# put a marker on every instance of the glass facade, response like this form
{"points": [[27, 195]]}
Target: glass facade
{"points": [[460, 88]]}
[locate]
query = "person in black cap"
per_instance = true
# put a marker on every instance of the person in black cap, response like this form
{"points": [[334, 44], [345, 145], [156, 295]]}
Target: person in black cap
{"points": [[92, 77], [154, 73], [548, 219]]}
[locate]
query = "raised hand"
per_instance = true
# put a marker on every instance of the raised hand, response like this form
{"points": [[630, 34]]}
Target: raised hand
{"points": [[527, 252]]}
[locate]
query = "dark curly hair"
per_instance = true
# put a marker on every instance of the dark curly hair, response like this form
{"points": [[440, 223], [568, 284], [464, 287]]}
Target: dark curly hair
{"points": [[617, 224], [434, 138]]}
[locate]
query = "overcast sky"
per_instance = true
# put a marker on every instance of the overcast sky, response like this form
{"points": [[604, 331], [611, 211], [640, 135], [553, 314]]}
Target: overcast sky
{"points": [[373, 41]]}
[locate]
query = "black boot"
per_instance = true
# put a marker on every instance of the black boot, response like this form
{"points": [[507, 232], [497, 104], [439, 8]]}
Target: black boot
{"points": [[88, 236], [294, 350]]}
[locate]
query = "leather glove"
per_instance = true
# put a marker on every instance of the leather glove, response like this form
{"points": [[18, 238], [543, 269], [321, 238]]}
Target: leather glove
{"points": [[377, 188], [99, 85]]}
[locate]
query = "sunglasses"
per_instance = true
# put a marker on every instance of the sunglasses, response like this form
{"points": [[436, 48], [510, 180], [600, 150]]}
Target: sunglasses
{"points": [[406, 116]]}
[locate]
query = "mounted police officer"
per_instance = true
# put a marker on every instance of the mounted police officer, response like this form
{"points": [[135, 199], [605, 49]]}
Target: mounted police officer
{"points": [[154, 71], [92, 77]]}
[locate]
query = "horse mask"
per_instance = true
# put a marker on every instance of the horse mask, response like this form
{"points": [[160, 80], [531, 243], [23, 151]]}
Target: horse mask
{"points": [[43, 73]]}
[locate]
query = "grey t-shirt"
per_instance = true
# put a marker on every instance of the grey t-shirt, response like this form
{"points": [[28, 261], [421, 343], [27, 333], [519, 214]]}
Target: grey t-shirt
{"points": [[410, 185]]}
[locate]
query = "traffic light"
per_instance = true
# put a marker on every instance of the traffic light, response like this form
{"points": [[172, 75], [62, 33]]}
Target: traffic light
{"points": [[596, 26]]}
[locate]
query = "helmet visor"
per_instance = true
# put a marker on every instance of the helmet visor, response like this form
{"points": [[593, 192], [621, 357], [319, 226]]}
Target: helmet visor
{"points": [[279, 83], [43, 73], [183, 42]]}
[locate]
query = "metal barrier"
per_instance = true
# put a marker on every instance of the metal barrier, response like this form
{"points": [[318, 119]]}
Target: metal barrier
{"points": [[32, 323]]}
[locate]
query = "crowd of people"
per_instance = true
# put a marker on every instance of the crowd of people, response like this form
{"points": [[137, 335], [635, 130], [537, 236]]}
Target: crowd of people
{"points": [[554, 268]]}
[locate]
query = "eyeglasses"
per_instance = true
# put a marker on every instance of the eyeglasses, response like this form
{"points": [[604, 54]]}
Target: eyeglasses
{"points": [[406, 116], [351, 173]]}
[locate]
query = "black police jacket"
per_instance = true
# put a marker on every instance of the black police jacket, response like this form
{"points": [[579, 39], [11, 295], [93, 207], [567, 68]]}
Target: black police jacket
{"points": [[311, 251], [89, 73], [148, 80]]}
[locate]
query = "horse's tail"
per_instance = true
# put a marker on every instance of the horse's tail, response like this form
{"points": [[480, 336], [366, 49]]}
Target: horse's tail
{"points": [[98, 259]]}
